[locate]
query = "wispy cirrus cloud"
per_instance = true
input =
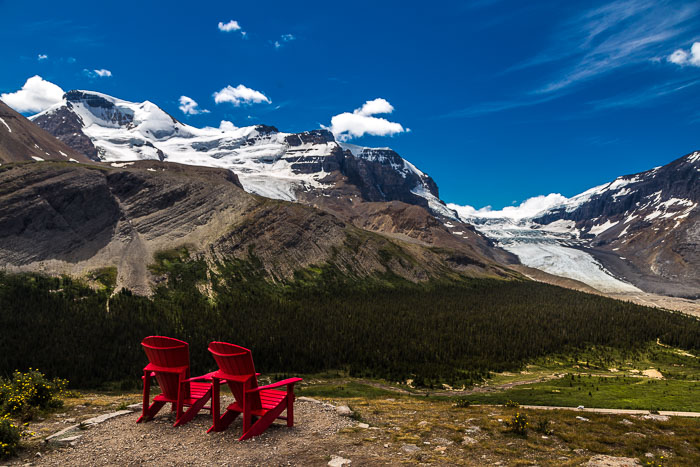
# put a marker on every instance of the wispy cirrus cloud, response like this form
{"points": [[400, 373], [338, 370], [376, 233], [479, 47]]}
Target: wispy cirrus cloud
{"points": [[615, 35], [644, 96], [597, 42], [41, 57]]}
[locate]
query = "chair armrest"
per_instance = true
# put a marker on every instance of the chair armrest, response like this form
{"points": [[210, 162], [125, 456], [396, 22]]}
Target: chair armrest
{"points": [[284, 382], [206, 377], [233, 378]]}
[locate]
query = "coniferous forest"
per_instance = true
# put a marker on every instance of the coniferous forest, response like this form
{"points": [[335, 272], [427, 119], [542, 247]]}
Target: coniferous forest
{"points": [[451, 331]]}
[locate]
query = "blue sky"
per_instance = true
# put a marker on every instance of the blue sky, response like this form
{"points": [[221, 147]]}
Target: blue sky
{"points": [[504, 100]]}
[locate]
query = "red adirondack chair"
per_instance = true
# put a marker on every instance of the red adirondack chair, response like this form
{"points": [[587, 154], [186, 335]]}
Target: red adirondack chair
{"points": [[237, 370], [170, 364]]}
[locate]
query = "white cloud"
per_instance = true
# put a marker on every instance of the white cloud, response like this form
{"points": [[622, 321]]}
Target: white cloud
{"points": [[681, 57], [36, 95], [283, 38], [527, 209], [240, 95], [230, 26], [361, 121], [42, 57], [101, 73], [190, 107], [225, 125], [376, 106]]}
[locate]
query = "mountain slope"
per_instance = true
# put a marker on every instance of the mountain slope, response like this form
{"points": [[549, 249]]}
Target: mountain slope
{"points": [[73, 219], [20, 140], [309, 167], [637, 232]]}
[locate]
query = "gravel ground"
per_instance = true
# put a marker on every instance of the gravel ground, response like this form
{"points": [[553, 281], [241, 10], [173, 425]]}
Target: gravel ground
{"points": [[311, 441]]}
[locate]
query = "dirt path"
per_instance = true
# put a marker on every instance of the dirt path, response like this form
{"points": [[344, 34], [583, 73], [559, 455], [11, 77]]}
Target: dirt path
{"points": [[458, 392], [655, 416]]}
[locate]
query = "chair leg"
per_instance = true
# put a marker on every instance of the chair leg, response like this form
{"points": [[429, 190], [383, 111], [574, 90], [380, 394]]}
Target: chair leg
{"points": [[224, 421], [184, 417], [290, 409], [263, 422], [150, 411]]}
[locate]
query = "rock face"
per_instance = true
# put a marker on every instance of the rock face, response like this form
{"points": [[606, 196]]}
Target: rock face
{"points": [[20, 140], [644, 227], [74, 218]]}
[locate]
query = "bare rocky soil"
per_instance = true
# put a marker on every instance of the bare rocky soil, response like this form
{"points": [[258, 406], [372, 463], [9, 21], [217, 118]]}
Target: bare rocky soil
{"points": [[360, 431]]}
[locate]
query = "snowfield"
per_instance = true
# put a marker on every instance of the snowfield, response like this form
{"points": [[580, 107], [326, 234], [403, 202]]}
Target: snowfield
{"points": [[262, 159]]}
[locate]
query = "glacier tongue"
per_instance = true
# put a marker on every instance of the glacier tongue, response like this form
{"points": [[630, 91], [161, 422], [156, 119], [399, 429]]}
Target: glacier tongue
{"points": [[553, 249]]}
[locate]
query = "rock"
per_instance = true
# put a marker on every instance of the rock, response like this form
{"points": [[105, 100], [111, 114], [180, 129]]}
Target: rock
{"points": [[337, 461], [467, 440], [442, 441], [308, 399], [657, 417], [624, 421], [422, 423], [472, 429], [363, 425], [104, 417], [343, 410], [611, 461], [135, 407], [635, 434], [69, 439], [583, 419], [410, 448], [58, 434]]}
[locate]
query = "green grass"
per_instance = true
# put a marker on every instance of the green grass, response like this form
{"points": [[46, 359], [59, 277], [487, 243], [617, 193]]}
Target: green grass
{"points": [[673, 363], [602, 392], [106, 277], [346, 389]]}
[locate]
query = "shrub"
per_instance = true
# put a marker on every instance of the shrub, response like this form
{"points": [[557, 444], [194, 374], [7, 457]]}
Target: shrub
{"points": [[10, 435], [510, 403], [26, 392], [463, 402], [518, 424], [543, 427]]}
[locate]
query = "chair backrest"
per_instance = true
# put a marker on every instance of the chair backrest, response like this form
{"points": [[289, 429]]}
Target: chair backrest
{"points": [[168, 353], [236, 361]]}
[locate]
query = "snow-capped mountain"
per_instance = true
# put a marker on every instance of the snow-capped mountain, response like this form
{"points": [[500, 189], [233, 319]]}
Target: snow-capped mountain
{"points": [[637, 232], [22, 141], [268, 162]]}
